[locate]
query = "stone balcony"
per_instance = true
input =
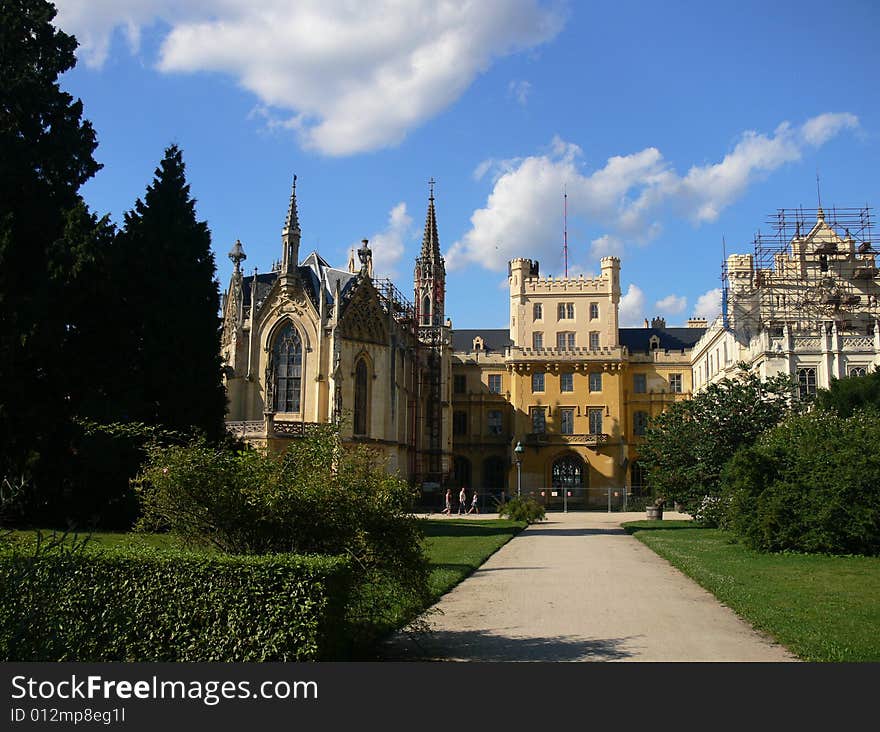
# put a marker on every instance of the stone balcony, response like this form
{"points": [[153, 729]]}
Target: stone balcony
{"points": [[269, 427], [539, 439]]}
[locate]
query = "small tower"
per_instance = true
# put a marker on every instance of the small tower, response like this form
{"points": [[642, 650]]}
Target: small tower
{"points": [[290, 236], [429, 280], [611, 272]]}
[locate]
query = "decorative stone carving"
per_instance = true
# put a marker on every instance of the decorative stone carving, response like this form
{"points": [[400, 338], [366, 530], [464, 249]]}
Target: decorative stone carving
{"points": [[364, 318]]}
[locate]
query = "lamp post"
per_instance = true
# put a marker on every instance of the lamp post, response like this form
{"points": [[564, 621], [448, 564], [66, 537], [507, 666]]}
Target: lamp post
{"points": [[517, 455]]}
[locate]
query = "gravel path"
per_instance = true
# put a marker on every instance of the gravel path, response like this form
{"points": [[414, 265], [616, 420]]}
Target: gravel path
{"points": [[579, 588]]}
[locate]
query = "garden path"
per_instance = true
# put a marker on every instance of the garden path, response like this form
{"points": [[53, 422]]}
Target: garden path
{"points": [[577, 587]]}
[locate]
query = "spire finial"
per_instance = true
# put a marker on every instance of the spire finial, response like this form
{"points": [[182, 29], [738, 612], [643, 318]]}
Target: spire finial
{"points": [[237, 255], [431, 240]]}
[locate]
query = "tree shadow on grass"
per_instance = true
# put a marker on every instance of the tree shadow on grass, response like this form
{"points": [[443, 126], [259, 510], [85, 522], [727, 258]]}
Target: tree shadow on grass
{"points": [[482, 645], [657, 526], [475, 528]]}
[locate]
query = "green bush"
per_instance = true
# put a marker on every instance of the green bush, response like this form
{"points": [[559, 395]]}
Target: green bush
{"points": [[73, 603], [522, 509], [845, 396], [687, 445], [317, 497], [812, 484]]}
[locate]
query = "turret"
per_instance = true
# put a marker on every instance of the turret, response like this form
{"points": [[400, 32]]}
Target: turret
{"points": [[518, 271], [610, 267]]}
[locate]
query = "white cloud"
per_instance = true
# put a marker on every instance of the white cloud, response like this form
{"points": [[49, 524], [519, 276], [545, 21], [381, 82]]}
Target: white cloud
{"points": [[388, 245], [627, 196], [631, 311], [520, 91], [356, 76], [708, 305], [671, 305], [818, 130], [606, 246], [483, 168]]}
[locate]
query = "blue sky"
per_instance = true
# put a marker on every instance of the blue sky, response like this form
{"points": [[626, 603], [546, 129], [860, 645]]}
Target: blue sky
{"points": [[669, 125]]}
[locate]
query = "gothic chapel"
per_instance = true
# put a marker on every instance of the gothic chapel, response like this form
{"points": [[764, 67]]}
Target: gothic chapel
{"points": [[308, 343]]}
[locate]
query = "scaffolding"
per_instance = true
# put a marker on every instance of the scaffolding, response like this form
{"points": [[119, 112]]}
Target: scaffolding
{"points": [[807, 276], [425, 407]]}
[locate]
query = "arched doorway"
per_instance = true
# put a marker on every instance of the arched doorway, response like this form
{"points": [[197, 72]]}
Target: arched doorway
{"points": [[494, 479], [461, 473], [568, 484]]}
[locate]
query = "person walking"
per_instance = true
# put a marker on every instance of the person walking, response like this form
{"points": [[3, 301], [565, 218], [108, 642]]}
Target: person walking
{"points": [[448, 509], [462, 501], [474, 507]]}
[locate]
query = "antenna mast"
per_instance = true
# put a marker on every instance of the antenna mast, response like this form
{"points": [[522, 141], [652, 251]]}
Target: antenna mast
{"points": [[565, 228]]}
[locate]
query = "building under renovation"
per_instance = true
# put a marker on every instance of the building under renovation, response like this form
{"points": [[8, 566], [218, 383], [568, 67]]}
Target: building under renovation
{"points": [[804, 303]]}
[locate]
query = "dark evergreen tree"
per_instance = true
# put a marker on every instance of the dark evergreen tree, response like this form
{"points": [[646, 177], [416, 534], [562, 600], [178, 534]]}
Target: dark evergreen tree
{"points": [[46, 152], [171, 304]]}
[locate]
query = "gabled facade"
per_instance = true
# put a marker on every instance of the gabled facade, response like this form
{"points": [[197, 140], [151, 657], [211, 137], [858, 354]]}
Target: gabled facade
{"points": [[309, 343]]}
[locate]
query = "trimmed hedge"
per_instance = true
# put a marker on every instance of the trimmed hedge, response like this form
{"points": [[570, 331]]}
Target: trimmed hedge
{"points": [[82, 604]]}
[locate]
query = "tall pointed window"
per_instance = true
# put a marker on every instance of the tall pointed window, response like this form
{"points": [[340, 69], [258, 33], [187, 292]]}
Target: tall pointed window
{"points": [[426, 310], [287, 358], [360, 398]]}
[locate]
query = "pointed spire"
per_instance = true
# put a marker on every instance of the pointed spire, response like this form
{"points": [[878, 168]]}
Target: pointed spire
{"points": [[431, 240], [291, 224], [290, 236]]}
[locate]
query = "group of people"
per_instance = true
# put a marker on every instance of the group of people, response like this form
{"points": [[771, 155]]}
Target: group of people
{"points": [[462, 502]]}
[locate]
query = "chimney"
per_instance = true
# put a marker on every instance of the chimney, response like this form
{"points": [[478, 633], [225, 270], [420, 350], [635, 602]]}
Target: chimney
{"points": [[647, 324], [697, 323], [658, 323]]}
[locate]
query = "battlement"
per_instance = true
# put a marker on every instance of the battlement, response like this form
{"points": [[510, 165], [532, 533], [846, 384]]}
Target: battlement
{"points": [[559, 285]]}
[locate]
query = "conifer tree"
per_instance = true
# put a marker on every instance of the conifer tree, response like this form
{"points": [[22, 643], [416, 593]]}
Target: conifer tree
{"points": [[46, 152], [172, 306]]}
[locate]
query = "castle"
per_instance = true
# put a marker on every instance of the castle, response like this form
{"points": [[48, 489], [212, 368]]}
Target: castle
{"points": [[555, 405]]}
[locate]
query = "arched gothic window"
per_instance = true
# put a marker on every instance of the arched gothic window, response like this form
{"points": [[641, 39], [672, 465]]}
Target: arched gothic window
{"points": [[361, 400], [426, 311], [568, 472], [287, 362]]}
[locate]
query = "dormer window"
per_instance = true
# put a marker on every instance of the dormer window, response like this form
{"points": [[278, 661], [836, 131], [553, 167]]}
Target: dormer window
{"points": [[654, 342], [479, 345]]}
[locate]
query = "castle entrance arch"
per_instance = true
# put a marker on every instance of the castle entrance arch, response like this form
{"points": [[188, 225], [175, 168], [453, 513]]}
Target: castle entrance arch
{"points": [[568, 484]]}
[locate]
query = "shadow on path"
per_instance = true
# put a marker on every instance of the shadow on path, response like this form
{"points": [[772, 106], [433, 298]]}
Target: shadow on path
{"points": [[480, 645], [535, 530]]}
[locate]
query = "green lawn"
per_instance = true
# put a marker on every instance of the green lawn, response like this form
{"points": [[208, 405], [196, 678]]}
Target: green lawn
{"points": [[456, 547], [822, 608]]}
